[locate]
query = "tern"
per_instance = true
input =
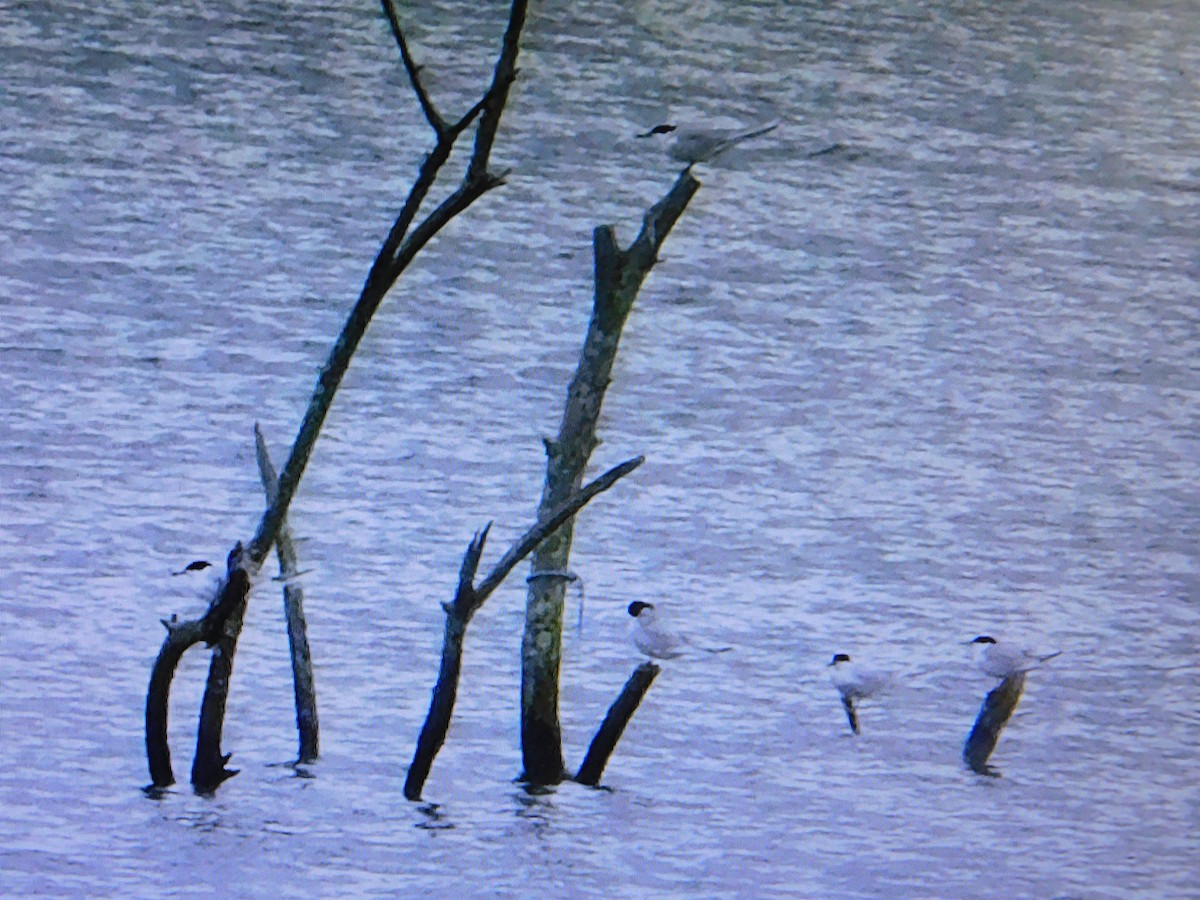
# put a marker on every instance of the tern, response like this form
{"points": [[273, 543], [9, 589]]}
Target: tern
{"points": [[1004, 660], [200, 580], [854, 684], [655, 639], [695, 145]]}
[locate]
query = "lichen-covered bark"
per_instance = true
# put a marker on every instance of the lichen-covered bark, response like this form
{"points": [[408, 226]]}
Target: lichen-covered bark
{"points": [[618, 277], [994, 714]]}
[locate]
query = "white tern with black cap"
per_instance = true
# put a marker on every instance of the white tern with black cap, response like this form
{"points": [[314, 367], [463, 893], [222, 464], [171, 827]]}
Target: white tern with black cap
{"points": [[693, 145], [657, 639], [1001, 660]]}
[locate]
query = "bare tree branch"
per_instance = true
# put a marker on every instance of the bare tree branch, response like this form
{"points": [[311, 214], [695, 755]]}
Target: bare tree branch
{"points": [[467, 601], [393, 257], [307, 723], [552, 523], [414, 71], [497, 96]]}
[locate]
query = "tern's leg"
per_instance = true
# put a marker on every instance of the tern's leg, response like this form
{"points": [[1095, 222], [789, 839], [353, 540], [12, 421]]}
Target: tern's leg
{"points": [[848, 702]]}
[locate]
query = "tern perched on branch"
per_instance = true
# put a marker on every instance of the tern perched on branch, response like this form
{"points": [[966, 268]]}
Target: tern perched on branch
{"points": [[693, 145], [657, 639], [200, 580], [1003, 660]]}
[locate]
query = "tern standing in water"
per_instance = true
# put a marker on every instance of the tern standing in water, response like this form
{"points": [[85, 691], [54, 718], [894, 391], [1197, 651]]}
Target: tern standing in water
{"points": [[854, 684]]}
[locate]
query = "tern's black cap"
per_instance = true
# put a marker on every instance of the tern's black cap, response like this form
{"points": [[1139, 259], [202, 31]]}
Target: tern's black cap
{"points": [[984, 639], [637, 606], [197, 566], [840, 657]]}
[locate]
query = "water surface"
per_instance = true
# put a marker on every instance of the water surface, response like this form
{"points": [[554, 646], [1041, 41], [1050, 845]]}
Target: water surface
{"points": [[941, 380]]}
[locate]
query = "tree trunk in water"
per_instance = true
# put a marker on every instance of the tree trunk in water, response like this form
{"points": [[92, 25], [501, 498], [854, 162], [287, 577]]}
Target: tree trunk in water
{"points": [[618, 277], [467, 599], [997, 709], [208, 765], [180, 636]]}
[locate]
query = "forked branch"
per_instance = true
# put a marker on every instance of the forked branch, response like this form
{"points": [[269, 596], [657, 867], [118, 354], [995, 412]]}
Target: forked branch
{"points": [[398, 250], [467, 600], [209, 628]]}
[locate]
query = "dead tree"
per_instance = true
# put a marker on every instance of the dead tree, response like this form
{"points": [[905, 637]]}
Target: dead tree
{"points": [[307, 723], [997, 709], [228, 603], [467, 600], [618, 277], [404, 241]]}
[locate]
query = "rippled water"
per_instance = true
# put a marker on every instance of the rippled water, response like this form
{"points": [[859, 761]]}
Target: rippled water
{"points": [[938, 381]]}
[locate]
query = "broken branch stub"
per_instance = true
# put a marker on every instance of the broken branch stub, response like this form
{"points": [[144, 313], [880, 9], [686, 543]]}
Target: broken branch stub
{"points": [[441, 705], [997, 709], [208, 765], [613, 726]]}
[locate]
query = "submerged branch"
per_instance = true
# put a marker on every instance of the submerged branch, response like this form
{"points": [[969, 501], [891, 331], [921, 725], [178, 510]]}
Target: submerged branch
{"points": [[619, 714], [994, 714]]}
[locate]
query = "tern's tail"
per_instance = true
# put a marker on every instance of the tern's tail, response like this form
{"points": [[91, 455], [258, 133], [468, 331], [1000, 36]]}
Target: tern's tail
{"points": [[755, 132], [740, 136], [1050, 656], [716, 649]]}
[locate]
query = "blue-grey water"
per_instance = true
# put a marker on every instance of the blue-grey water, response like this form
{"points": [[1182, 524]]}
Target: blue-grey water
{"points": [[941, 380]]}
